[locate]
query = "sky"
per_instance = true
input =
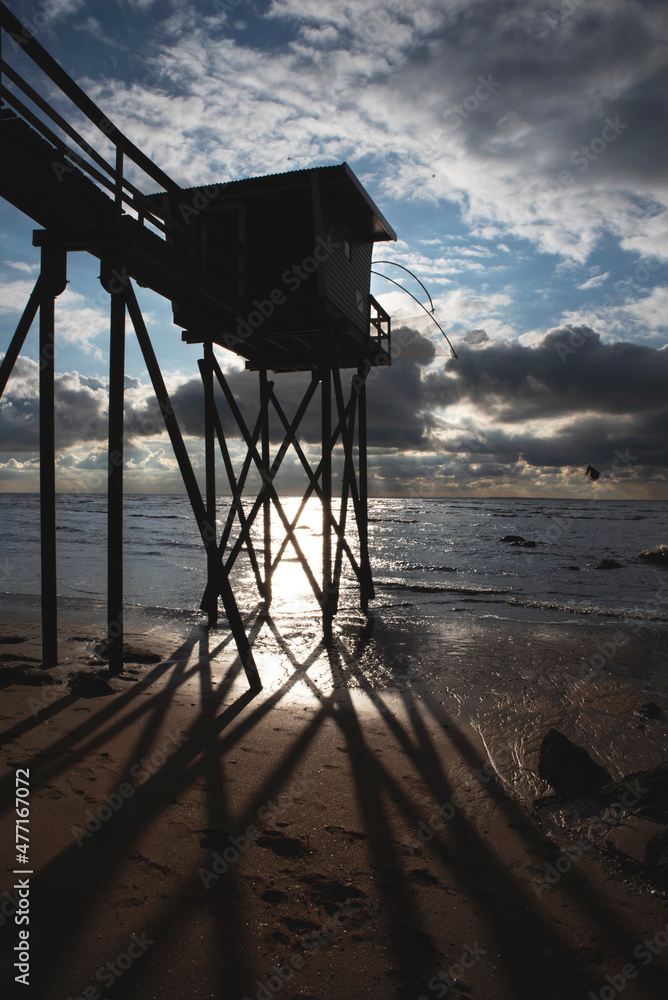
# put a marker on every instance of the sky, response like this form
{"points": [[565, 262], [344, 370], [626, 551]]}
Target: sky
{"points": [[518, 148]]}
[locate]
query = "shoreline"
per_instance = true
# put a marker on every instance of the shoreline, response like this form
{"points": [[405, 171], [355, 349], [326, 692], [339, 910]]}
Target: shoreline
{"points": [[407, 842]]}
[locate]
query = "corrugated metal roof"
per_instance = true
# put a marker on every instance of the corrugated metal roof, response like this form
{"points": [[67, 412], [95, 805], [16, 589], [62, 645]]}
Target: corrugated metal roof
{"points": [[265, 177], [381, 225]]}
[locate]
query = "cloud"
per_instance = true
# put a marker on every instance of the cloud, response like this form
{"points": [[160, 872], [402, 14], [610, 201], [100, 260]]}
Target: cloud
{"points": [[474, 337], [20, 265], [504, 413], [401, 424], [14, 295], [562, 403], [595, 282], [570, 370], [76, 322], [80, 404]]}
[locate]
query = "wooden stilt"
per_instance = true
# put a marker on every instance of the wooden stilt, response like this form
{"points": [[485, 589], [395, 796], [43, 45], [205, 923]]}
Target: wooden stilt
{"points": [[53, 274], [326, 461], [265, 390], [366, 583], [115, 477], [348, 484], [211, 603]]}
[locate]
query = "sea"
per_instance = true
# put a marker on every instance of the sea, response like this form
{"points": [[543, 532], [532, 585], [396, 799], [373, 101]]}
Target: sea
{"points": [[569, 631], [432, 558]]}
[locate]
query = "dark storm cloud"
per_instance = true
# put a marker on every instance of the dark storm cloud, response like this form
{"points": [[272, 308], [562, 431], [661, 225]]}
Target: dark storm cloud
{"points": [[610, 397], [620, 446], [570, 370], [81, 409], [561, 76], [397, 414]]}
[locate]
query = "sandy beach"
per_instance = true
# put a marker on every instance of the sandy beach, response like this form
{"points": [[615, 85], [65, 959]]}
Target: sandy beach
{"points": [[328, 837]]}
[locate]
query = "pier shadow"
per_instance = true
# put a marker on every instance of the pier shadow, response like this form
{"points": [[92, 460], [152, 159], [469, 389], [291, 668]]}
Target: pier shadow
{"points": [[195, 702]]}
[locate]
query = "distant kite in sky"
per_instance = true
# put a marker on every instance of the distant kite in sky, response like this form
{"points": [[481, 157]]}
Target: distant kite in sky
{"points": [[591, 473]]}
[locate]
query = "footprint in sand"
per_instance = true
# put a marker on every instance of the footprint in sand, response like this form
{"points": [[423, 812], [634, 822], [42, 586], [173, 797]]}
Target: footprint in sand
{"points": [[353, 834], [273, 896], [284, 847], [422, 877]]}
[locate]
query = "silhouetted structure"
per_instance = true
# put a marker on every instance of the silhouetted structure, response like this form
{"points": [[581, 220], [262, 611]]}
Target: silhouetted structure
{"points": [[275, 269]]}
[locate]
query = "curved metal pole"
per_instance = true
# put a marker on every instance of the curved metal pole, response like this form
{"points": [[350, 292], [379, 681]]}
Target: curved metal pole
{"points": [[423, 307]]}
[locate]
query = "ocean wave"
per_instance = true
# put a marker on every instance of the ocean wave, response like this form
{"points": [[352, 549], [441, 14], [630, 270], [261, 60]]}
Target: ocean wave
{"points": [[390, 520], [162, 517], [425, 588], [420, 567], [588, 609]]}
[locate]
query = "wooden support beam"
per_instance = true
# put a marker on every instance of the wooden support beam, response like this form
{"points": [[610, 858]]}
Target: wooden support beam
{"points": [[366, 584], [312, 488], [267, 477], [313, 480], [190, 482], [241, 483], [349, 482], [115, 463], [265, 391], [301, 410], [291, 430], [245, 534], [20, 334], [53, 282], [210, 604], [237, 506], [328, 599]]}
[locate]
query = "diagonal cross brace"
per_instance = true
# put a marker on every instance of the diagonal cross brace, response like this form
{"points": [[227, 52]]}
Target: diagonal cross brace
{"points": [[267, 478], [236, 495], [207, 530], [313, 487], [20, 334], [313, 479], [280, 455]]}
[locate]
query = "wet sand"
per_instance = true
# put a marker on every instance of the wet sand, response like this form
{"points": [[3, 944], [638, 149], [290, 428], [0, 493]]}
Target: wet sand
{"points": [[370, 821]]}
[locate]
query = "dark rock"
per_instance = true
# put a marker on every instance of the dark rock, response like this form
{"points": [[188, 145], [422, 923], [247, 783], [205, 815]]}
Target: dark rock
{"points": [[20, 674], [7, 640], [525, 543], [658, 556], [650, 710], [511, 538], [92, 685], [569, 769], [607, 564]]}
